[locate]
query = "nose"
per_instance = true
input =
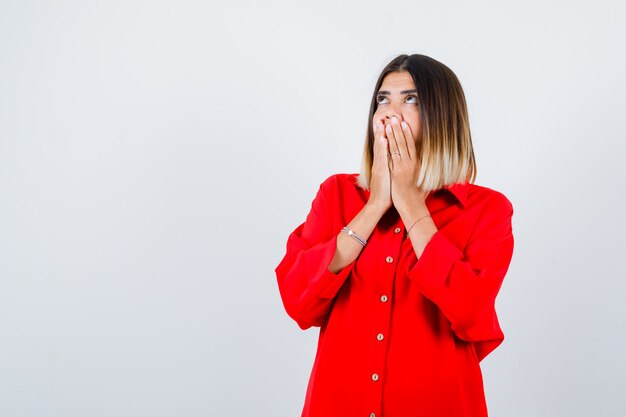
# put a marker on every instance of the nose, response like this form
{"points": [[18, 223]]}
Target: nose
{"points": [[387, 116], [392, 109]]}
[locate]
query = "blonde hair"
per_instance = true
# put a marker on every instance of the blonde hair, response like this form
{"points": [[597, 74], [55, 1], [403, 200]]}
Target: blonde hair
{"points": [[445, 149]]}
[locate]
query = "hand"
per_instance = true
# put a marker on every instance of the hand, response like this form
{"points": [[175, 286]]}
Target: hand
{"points": [[380, 182], [404, 167]]}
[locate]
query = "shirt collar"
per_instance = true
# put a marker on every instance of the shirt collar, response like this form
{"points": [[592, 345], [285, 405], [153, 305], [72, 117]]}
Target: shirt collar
{"points": [[459, 190]]}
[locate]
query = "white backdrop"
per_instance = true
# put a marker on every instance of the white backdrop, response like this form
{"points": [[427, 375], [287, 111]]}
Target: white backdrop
{"points": [[154, 157]]}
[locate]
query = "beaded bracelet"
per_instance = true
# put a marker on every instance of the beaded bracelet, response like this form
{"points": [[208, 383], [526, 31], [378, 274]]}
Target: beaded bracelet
{"points": [[354, 235]]}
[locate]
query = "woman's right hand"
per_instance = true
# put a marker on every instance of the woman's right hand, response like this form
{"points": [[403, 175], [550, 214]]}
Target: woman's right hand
{"points": [[380, 182]]}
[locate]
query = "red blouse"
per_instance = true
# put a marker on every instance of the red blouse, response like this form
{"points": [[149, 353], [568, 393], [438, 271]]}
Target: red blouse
{"points": [[399, 337]]}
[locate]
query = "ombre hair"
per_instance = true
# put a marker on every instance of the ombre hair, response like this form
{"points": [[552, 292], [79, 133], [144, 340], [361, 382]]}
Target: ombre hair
{"points": [[445, 149]]}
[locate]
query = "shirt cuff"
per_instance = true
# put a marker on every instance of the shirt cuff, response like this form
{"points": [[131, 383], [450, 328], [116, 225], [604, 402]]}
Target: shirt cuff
{"points": [[433, 267], [329, 283]]}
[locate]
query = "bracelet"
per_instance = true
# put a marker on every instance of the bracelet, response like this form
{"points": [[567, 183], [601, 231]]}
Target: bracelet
{"points": [[354, 235], [409, 229]]}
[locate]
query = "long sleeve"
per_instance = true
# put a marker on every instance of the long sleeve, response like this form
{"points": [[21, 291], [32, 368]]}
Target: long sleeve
{"points": [[307, 287], [465, 285]]}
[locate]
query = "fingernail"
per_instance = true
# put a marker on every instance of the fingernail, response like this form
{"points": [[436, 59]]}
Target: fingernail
{"points": [[403, 123], [394, 120]]}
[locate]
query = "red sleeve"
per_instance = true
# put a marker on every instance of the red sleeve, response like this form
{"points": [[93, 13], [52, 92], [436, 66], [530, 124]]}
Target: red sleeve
{"points": [[464, 284], [306, 286]]}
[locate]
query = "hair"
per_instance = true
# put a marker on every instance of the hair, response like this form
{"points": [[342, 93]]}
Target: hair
{"points": [[445, 150]]}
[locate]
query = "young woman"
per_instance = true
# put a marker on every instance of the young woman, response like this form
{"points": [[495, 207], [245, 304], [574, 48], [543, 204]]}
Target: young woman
{"points": [[400, 265]]}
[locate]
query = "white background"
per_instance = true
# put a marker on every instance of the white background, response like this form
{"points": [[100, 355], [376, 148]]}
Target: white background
{"points": [[154, 157]]}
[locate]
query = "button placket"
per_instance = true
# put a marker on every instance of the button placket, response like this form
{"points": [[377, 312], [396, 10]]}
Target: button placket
{"points": [[382, 316]]}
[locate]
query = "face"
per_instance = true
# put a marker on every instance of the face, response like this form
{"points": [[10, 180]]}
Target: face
{"points": [[397, 95]]}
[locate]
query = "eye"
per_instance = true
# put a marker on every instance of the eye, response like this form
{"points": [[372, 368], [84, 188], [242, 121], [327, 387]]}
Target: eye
{"points": [[413, 97]]}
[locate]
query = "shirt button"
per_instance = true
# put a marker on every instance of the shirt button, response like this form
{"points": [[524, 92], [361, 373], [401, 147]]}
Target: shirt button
{"points": [[397, 230], [389, 259], [379, 336], [383, 298], [374, 377], [372, 414]]}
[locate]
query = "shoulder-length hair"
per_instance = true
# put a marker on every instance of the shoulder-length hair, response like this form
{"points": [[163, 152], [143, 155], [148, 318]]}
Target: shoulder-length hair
{"points": [[445, 149]]}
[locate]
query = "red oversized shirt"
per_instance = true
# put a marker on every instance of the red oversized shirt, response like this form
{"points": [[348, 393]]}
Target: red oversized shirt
{"points": [[399, 337]]}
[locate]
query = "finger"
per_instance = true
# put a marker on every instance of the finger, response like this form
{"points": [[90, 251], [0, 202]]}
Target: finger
{"points": [[386, 151], [398, 133], [380, 147], [393, 144], [410, 143]]}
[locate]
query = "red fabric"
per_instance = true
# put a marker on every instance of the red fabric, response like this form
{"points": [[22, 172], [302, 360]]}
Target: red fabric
{"points": [[439, 320]]}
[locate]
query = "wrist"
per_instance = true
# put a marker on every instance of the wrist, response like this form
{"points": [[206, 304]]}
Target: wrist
{"points": [[422, 230], [418, 222], [376, 207], [410, 202], [423, 234], [412, 212]]}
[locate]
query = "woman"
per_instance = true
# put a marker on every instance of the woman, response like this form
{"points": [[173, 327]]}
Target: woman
{"points": [[400, 265]]}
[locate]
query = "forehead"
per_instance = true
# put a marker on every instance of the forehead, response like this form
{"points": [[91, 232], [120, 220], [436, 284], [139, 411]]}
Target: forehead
{"points": [[397, 81]]}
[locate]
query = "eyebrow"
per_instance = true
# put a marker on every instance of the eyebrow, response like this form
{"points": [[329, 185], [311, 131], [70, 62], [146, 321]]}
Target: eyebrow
{"points": [[385, 92]]}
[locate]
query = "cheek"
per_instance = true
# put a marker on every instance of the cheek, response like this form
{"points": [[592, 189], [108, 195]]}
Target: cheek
{"points": [[415, 129]]}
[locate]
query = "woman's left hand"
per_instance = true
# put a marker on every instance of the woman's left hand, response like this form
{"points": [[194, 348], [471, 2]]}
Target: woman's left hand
{"points": [[404, 166]]}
